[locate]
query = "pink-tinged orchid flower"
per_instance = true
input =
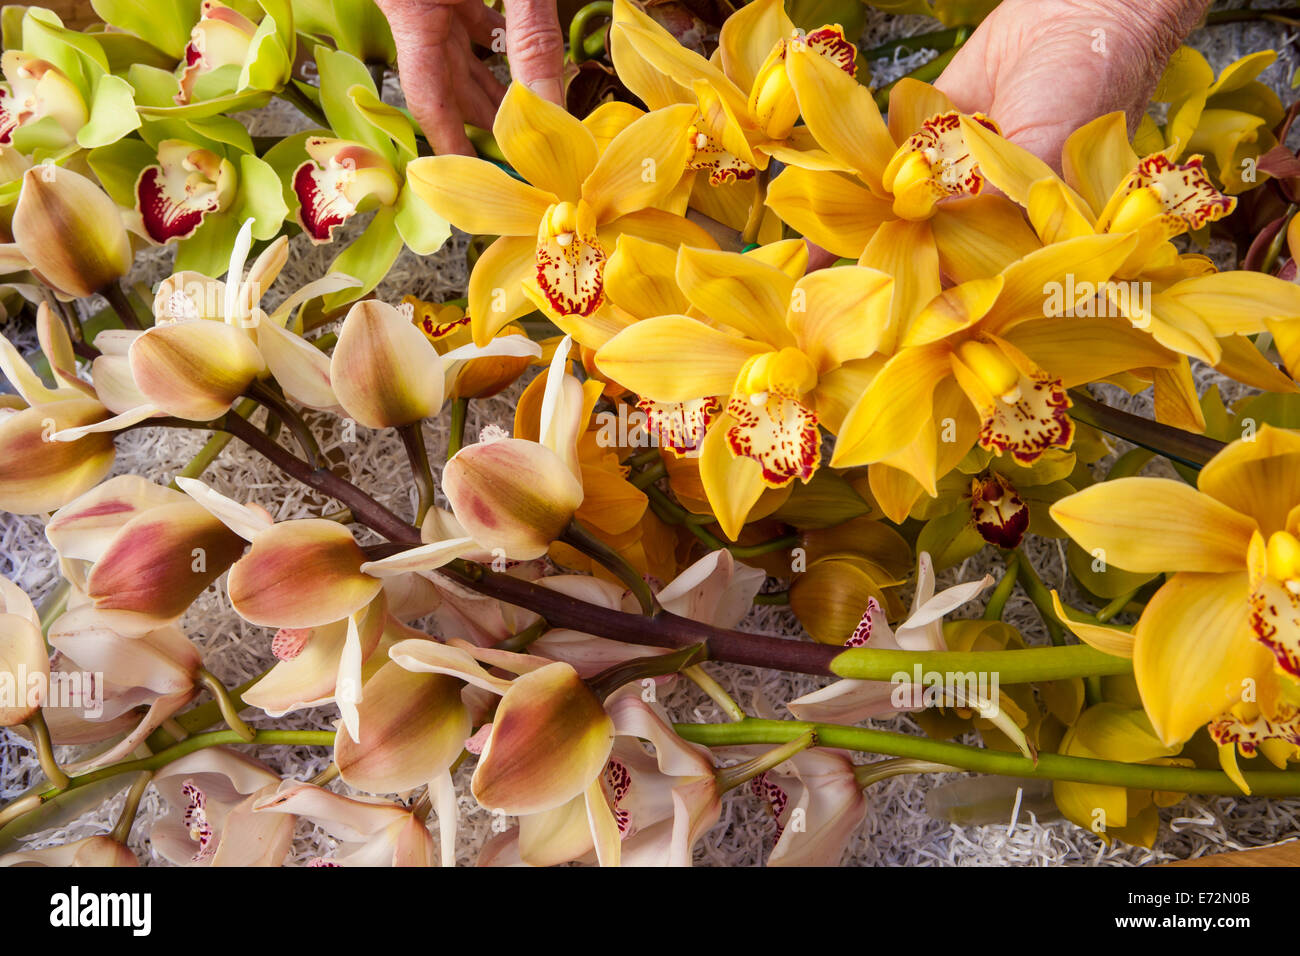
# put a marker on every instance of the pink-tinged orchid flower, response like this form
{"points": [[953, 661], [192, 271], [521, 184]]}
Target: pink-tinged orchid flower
{"points": [[35, 90], [849, 701], [372, 833], [140, 663], [187, 184], [519, 495], [310, 578], [818, 806], [97, 851], [222, 37], [386, 373], [213, 793], [138, 547], [332, 185]]}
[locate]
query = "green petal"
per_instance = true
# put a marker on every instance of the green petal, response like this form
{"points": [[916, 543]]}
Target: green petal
{"points": [[420, 227]]}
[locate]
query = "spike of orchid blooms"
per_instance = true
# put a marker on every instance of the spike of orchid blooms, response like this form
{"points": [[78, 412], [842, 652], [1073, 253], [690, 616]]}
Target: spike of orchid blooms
{"points": [[746, 108], [786, 351], [519, 495], [222, 37], [36, 90], [212, 795], [186, 185], [575, 201], [371, 832], [1219, 642]]}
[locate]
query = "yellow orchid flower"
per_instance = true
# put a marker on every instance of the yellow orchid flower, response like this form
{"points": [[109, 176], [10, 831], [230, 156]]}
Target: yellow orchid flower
{"points": [[1231, 118], [772, 350], [1180, 300], [575, 200], [747, 109], [907, 188], [1224, 629], [998, 346]]}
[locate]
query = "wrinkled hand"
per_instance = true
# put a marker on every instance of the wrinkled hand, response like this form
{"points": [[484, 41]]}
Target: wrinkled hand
{"points": [[1043, 68], [446, 85]]}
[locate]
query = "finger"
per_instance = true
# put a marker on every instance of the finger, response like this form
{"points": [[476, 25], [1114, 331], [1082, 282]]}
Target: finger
{"points": [[472, 101], [482, 23], [427, 79], [966, 80], [535, 47]]}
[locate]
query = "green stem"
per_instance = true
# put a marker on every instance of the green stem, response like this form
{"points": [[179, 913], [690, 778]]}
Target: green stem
{"points": [[1041, 598], [1115, 606], [731, 777], [773, 597], [1024, 665], [518, 642], [602, 9], [304, 104], [1130, 463], [644, 479], [927, 72], [213, 447], [225, 703], [1002, 593], [937, 40], [456, 436], [752, 731], [757, 208], [576, 536], [421, 471], [122, 832], [55, 603], [643, 668], [45, 750]]}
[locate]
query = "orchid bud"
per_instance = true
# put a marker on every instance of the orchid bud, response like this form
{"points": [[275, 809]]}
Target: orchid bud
{"points": [[39, 474], [550, 739], [22, 657], [511, 494], [194, 369], [772, 100], [71, 231], [384, 371], [98, 851], [828, 599]]}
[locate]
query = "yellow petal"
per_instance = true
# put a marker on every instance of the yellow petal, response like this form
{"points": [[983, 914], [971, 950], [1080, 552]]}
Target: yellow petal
{"points": [[1259, 478], [739, 291], [1108, 640], [1011, 168], [894, 409], [748, 36], [911, 103], [1238, 302], [37, 474], [641, 166], [1055, 213], [833, 210], [733, 484], [496, 294], [547, 145], [194, 369], [979, 236], [640, 278], [1155, 524], [1082, 350], [1195, 654], [673, 358], [841, 314], [1096, 158], [477, 196], [842, 115], [654, 87], [953, 310]]}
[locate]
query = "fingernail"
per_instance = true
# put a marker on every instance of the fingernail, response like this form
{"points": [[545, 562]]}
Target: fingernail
{"points": [[549, 89]]}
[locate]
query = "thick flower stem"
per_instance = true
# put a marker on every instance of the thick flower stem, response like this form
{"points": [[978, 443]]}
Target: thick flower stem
{"points": [[304, 104], [213, 447], [959, 756], [122, 832], [456, 434], [121, 305], [280, 407], [578, 26], [576, 536], [225, 703], [1002, 592], [421, 472], [45, 750]]}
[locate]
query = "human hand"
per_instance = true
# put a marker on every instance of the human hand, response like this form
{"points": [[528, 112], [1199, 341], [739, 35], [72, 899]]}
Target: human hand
{"points": [[446, 85], [1043, 68]]}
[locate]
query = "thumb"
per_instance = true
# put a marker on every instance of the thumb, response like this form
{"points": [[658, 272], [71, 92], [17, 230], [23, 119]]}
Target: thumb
{"points": [[535, 47]]}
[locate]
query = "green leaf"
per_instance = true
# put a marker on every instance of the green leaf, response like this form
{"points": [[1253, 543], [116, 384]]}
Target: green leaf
{"points": [[260, 197], [208, 250], [420, 227], [166, 24], [339, 73], [389, 119], [112, 115], [950, 538], [368, 258], [117, 166], [1278, 410]]}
